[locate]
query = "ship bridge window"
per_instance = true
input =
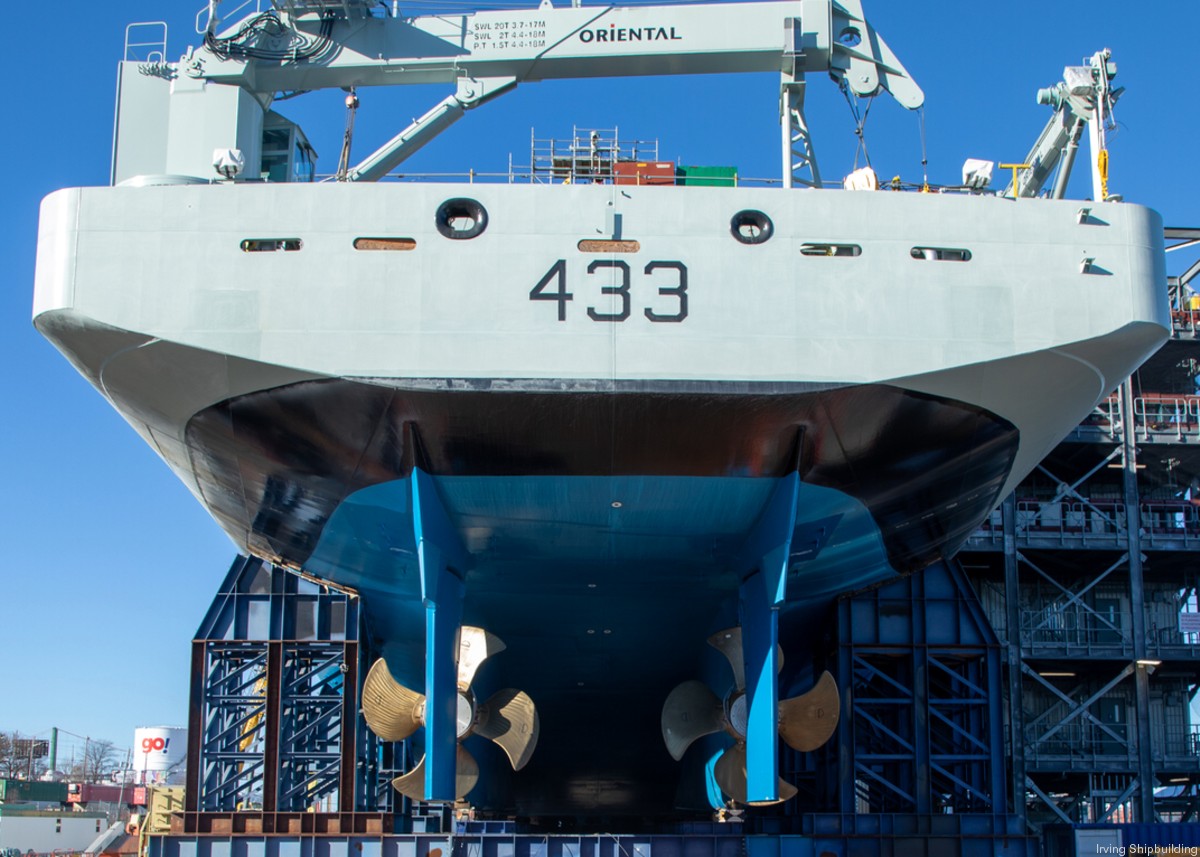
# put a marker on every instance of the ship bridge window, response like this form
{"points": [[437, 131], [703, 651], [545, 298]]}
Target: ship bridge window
{"points": [[286, 153], [303, 161], [385, 244], [270, 245], [830, 250], [941, 254], [276, 142]]}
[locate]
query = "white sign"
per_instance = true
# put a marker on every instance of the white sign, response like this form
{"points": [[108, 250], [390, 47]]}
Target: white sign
{"points": [[1189, 623]]}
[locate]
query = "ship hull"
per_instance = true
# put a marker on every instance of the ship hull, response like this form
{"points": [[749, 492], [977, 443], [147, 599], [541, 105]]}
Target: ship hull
{"points": [[602, 444]]}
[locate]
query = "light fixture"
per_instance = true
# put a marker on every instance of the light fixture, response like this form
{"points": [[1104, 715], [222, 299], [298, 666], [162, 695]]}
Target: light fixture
{"points": [[1056, 674]]}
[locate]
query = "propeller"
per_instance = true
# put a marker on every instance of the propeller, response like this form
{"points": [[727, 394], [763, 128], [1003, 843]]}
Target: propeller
{"points": [[508, 718], [692, 711]]}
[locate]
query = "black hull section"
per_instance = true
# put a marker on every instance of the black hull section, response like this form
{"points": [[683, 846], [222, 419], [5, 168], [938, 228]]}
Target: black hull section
{"points": [[276, 464]]}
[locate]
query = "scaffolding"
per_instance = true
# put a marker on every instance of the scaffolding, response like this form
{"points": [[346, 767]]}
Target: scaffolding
{"points": [[589, 156]]}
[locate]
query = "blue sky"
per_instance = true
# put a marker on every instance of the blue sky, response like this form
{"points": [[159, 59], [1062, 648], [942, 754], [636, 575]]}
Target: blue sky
{"points": [[111, 563]]}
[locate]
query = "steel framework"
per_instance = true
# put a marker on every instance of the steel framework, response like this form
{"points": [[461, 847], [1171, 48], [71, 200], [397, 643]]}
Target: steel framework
{"points": [[276, 742], [918, 661]]}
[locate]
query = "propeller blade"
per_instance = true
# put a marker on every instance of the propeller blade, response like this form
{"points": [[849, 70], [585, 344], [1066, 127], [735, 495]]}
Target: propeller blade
{"points": [[729, 643], [510, 719], [690, 712], [730, 772], [467, 773], [809, 720], [412, 784], [475, 646], [392, 710]]}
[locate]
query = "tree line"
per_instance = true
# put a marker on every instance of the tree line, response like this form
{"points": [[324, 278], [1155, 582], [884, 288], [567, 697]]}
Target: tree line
{"points": [[23, 757]]}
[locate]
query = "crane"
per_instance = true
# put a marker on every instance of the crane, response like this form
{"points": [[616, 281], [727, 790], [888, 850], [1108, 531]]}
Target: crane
{"points": [[300, 45], [1084, 95]]}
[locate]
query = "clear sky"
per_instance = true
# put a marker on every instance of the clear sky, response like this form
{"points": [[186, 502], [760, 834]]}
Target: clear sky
{"points": [[111, 563]]}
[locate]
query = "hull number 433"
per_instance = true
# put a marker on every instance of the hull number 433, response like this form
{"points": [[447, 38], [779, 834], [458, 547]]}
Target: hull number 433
{"points": [[670, 304]]}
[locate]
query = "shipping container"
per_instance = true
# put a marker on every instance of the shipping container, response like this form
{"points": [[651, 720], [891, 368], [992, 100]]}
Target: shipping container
{"points": [[1160, 838], [707, 176], [644, 172], [1089, 840], [85, 793], [32, 791]]}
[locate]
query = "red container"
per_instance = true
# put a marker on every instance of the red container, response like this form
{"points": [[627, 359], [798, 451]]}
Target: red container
{"points": [[644, 172], [83, 793]]}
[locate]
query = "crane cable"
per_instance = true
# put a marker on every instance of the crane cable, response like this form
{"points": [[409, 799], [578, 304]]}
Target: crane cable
{"points": [[860, 122], [924, 155], [343, 169]]}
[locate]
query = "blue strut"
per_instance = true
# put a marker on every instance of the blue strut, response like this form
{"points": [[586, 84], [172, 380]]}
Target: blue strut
{"points": [[442, 559], [765, 556]]}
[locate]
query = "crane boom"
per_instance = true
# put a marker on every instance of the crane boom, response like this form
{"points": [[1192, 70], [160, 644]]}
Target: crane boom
{"points": [[486, 53]]}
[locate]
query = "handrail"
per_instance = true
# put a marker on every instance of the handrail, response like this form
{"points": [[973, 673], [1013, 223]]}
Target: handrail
{"points": [[1070, 516], [1160, 414], [159, 54]]}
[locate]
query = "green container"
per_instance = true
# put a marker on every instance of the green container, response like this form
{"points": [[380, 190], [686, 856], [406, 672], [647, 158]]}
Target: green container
{"points": [[706, 176], [18, 791]]}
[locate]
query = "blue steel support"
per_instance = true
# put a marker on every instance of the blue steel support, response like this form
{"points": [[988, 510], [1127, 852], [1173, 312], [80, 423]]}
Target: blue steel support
{"points": [[920, 699], [846, 781], [442, 559], [920, 668], [272, 725], [766, 551]]}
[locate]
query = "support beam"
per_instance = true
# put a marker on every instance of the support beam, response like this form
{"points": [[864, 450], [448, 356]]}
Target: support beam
{"points": [[470, 93], [1137, 603], [762, 591], [920, 709], [1012, 650], [271, 730], [1046, 799], [799, 158], [1071, 490], [442, 560]]}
